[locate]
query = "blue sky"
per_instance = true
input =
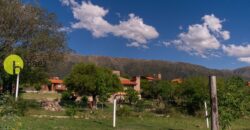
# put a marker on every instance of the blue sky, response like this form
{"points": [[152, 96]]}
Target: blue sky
{"points": [[211, 33]]}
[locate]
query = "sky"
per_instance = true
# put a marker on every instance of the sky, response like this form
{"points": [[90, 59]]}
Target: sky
{"points": [[211, 33]]}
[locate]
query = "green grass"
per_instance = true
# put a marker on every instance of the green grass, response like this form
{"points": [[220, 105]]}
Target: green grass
{"points": [[102, 120], [124, 123], [40, 96]]}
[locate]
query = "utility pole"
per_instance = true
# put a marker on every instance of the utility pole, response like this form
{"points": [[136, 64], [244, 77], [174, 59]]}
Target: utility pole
{"points": [[214, 103]]}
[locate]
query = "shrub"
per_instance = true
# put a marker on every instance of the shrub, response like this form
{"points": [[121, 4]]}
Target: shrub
{"points": [[31, 103], [232, 101], [67, 99], [66, 96], [124, 111], [21, 107], [139, 106], [37, 87], [70, 111], [192, 94], [84, 102]]}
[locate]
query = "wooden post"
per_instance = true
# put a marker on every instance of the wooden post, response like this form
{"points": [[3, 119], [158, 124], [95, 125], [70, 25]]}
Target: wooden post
{"points": [[214, 103]]}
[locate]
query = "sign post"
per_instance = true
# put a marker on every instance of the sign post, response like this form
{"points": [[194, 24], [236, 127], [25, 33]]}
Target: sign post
{"points": [[17, 86], [13, 64], [114, 112]]}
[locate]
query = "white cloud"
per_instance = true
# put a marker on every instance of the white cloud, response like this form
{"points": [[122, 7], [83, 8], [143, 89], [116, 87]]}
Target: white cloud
{"points": [[135, 29], [242, 52], [225, 35], [202, 39], [237, 51], [214, 24], [69, 2], [65, 29], [166, 43], [244, 59], [91, 17]]}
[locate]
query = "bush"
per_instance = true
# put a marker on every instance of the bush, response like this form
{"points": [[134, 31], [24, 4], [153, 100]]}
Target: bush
{"points": [[124, 111], [84, 102], [70, 111], [192, 94], [66, 96], [67, 99], [37, 87], [21, 107], [139, 106], [233, 101], [31, 103]]}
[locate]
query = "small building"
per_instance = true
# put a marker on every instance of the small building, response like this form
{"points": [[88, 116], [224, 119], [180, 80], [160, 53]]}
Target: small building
{"points": [[153, 77], [177, 80], [134, 83], [248, 84], [55, 85]]}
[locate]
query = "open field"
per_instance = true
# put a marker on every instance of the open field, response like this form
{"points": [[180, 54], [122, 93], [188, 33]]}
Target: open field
{"points": [[39, 119], [124, 123]]}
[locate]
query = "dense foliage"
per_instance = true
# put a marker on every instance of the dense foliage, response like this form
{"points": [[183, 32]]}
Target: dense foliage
{"points": [[189, 96], [32, 33], [88, 79], [233, 99], [132, 96]]}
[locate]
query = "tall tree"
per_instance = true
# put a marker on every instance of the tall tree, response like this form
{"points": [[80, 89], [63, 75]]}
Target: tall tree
{"points": [[89, 79], [32, 33]]}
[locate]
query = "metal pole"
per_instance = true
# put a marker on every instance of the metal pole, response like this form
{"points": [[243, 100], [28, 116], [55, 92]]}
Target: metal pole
{"points": [[214, 104], [207, 121], [17, 86], [114, 112]]}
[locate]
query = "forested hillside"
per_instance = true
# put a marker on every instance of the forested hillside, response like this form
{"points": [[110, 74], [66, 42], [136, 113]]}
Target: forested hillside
{"points": [[132, 67]]}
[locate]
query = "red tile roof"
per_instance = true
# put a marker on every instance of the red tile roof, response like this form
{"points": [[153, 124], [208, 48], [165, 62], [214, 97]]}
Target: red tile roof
{"points": [[56, 81], [150, 78], [125, 81]]}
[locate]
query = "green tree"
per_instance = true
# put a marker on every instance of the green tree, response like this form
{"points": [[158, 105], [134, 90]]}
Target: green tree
{"points": [[132, 96], [192, 94], [32, 33], [89, 79], [147, 89], [232, 99]]}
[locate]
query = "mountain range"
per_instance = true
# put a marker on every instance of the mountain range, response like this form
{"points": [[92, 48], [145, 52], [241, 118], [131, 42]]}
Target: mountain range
{"points": [[135, 67]]}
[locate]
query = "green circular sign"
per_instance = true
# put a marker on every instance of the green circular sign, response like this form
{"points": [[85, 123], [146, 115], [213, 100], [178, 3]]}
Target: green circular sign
{"points": [[13, 64]]}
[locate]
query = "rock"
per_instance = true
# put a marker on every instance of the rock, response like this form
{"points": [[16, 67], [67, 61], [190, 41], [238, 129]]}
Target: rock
{"points": [[51, 105]]}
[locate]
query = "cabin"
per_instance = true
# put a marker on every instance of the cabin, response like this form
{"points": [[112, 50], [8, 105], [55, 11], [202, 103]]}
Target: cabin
{"points": [[55, 85], [134, 83]]}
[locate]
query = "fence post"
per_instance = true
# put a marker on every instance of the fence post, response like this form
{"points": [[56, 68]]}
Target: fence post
{"points": [[214, 103], [206, 114]]}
